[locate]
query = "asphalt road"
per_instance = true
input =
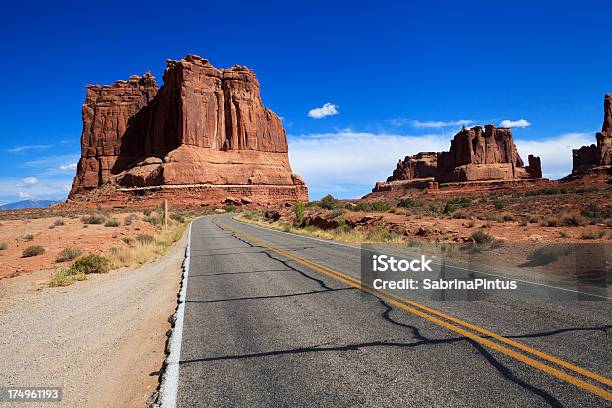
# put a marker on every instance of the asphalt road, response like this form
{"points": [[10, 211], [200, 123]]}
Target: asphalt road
{"points": [[269, 324]]}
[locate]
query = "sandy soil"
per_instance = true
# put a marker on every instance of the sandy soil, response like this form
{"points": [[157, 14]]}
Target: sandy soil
{"points": [[101, 339], [88, 238]]}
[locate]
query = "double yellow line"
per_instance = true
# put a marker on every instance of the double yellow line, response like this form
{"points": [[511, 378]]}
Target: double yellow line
{"points": [[459, 326]]}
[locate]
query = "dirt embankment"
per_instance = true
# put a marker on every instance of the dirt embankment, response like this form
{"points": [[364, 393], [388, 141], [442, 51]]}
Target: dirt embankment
{"points": [[102, 340]]}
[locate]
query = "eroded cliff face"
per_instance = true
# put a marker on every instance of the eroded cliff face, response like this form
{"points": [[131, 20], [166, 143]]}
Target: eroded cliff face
{"points": [[204, 126], [476, 154], [599, 155], [115, 119]]}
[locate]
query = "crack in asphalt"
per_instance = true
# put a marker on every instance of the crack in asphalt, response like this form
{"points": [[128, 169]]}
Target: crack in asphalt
{"points": [[238, 273], [312, 292], [500, 367], [286, 263]]}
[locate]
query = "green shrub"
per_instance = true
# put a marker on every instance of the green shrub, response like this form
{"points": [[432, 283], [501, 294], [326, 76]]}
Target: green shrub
{"points": [[337, 212], [91, 263], [68, 254], [572, 220], [129, 219], [498, 204], [147, 212], [3, 246], [481, 237], [592, 234], [298, 210], [58, 223], [178, 217], [452, 204], [380, 206], [33, 250], [93, 219], [460, 215], [328, 202], [508, 217], [551, 222], [60, 278], [28, 237], [229, 208], [406, 203], [153, 220], [112, 222], [145, 238], [597, 213]]}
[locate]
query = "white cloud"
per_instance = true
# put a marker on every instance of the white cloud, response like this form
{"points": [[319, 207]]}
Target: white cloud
{"points": [[27, 182], [21, 149], [349, 163], [555, 152], [24, 195], [353, 160], [12, 189], [521, 123], [328, 109], [71, 166], [441, 124]]}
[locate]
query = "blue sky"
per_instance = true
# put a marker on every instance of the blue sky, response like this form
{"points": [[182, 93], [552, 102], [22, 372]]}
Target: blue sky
{"points": [[401, 77]]}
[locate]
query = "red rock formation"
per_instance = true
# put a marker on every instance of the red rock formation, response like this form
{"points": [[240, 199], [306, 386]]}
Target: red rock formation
{"points": [[205, 126], [475, 154], [594, 157], [113, 119]]}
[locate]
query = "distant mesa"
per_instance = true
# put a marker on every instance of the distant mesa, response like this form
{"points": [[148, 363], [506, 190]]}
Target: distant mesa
{"points": [[596, 158], [19, 205], [476, 154], [205, 135]]}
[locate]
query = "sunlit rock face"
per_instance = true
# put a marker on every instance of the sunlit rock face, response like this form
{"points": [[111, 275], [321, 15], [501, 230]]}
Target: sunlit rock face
{"points": [[205, 126]]}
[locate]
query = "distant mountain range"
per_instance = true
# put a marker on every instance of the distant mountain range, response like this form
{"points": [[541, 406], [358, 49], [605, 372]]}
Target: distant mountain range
{"points": [[27, 204]]}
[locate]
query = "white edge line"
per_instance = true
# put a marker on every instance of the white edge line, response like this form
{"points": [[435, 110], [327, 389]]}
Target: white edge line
{"points": [[451, 266], [169, 385]]}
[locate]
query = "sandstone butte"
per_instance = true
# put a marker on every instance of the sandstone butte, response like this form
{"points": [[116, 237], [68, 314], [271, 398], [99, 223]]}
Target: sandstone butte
{"points": [[204, 137], [596, 158], [476, 155]]}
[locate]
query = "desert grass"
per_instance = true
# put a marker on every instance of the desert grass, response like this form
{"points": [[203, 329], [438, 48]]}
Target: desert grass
{"points": [[141, 250], [146, 248], [68, 254], [343, 233], [33, 250]]}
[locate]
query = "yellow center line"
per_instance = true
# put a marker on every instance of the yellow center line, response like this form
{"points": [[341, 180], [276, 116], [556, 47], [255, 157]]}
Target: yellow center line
{"points": [[406, 304]]}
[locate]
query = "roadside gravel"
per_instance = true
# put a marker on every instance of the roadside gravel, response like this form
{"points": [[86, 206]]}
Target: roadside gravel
{"points": [[102, 340]]}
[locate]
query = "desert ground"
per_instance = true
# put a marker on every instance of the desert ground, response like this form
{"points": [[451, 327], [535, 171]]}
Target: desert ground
{"points": [[50, 300]]}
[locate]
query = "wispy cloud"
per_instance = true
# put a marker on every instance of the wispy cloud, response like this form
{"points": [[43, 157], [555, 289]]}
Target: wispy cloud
{"points": [[23, 149], [349, 163], [440, 124], [71, 166], [353, 160], [328, 109], [45, 187], [27, 182], [555, 152], [521, 123]]}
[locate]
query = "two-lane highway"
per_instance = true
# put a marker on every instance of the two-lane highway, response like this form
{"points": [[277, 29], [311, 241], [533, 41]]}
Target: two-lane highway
{"points": [[276, 319]]}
